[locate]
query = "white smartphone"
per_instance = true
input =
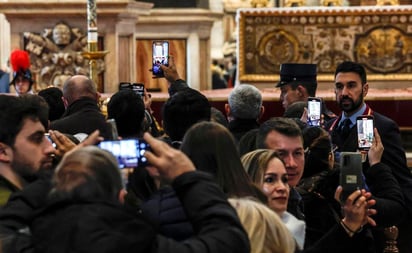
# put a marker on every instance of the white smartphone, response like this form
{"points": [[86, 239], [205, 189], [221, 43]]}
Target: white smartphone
{"points": [[314, 111], [365, 127], [160, 56]]}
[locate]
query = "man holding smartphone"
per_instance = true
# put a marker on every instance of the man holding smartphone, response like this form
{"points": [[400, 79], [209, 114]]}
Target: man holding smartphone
{"points": [[351, 88]]}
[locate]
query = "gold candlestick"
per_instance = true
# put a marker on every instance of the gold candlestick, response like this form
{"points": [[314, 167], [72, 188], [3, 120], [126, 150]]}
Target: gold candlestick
{"points": [[93, 54]]}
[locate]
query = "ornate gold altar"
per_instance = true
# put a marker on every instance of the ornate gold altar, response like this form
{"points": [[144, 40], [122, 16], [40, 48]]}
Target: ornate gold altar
{"points": [[379, 37]]}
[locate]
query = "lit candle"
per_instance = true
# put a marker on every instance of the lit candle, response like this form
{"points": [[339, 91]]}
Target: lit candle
{"points": [[91, 23]]}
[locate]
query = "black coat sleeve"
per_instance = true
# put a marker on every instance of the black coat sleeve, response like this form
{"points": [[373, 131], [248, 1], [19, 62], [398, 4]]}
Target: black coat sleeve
{"points": [[386, 191], [177, 85], [215, 222]]}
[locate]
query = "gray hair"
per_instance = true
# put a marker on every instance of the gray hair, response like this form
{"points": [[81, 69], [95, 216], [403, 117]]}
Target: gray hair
{"points": [[245, 102]]}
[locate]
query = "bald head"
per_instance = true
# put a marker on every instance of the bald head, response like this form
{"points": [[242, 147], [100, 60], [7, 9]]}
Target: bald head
{"points": [[77, 87]]}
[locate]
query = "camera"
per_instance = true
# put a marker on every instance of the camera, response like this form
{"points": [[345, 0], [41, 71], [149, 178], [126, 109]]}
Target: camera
{"points": [[160, 56], [138, 88], [128, 152]]}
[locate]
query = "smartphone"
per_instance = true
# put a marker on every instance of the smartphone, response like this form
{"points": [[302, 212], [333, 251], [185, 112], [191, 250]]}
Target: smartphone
{"points": [[50, 139], [351, 178], [365, 127], [111, 123], [160, 56], [129, 152], [314, 111], [138, 88]]}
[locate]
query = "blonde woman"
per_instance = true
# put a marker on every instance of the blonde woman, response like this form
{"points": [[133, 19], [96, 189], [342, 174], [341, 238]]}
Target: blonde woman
{"points": [[267, 170], [267, 233]]}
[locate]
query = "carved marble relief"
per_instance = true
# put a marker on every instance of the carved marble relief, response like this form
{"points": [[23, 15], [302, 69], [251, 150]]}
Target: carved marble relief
{"points": [[378, 37], [56, 54]]}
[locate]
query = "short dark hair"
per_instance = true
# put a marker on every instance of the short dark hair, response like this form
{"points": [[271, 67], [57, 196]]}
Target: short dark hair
{"points": [[284, 126], [53, 97], [182, 110], [350, 66], [127, 109], [13, 112]]}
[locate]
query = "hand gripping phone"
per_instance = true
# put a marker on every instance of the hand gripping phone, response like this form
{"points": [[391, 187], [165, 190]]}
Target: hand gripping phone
{"points": [[129, 152], [314, 111], [351, 177], [365, 127], [160, 56]]}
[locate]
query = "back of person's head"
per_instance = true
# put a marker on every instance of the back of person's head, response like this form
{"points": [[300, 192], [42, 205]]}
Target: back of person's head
{"points": [[217, 116], [77, 87], [182, 110], [295, 110], [127, 109], [245, 102], [282, 125], [266, 231], [88, 173], [212, 149], [318, 151], [349, 66], [53, 97], [15, 110], [256, 163]]}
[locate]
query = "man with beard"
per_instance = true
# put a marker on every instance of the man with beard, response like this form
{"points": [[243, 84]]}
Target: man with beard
{"points": [[351, 88], [24, 148]]}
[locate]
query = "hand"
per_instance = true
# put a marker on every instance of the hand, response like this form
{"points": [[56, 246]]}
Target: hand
{"points": [[169, 162], [357, 209], [376, 150], [170, 71], [63, 143]]}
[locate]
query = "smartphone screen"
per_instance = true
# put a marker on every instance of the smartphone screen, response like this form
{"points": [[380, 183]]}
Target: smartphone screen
{"points": [[160, 56], [129, 152], [314, 111], [365, 131], [350, 173]]}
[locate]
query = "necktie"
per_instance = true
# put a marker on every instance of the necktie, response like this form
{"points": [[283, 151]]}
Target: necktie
{"points": [[345, 128]]}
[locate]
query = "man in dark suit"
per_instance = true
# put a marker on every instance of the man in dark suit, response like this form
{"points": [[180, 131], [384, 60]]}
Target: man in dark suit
{"points": [[82, 113], [351, 87]]}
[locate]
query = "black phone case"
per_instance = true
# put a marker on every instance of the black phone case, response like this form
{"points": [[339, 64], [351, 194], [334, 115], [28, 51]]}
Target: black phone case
{"points": [[351, 178]]}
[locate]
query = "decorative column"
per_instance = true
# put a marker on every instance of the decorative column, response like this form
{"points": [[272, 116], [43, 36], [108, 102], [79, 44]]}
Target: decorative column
{"points": [[92, 53]]}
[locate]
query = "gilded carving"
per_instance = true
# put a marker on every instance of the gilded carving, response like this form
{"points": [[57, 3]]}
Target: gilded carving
{"points": [[56, 54], [378, 37]]}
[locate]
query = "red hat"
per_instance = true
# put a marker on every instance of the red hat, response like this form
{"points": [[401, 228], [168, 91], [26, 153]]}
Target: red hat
{"points": [[20, 62]]}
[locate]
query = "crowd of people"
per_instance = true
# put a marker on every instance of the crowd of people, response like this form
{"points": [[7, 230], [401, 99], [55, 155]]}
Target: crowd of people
{"points": [[215, 181]]}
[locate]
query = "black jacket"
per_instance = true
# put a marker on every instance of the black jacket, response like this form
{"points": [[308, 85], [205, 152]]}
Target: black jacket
{"points": [[102, 226], [239, 127], [165, 211], [82, 116]]}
